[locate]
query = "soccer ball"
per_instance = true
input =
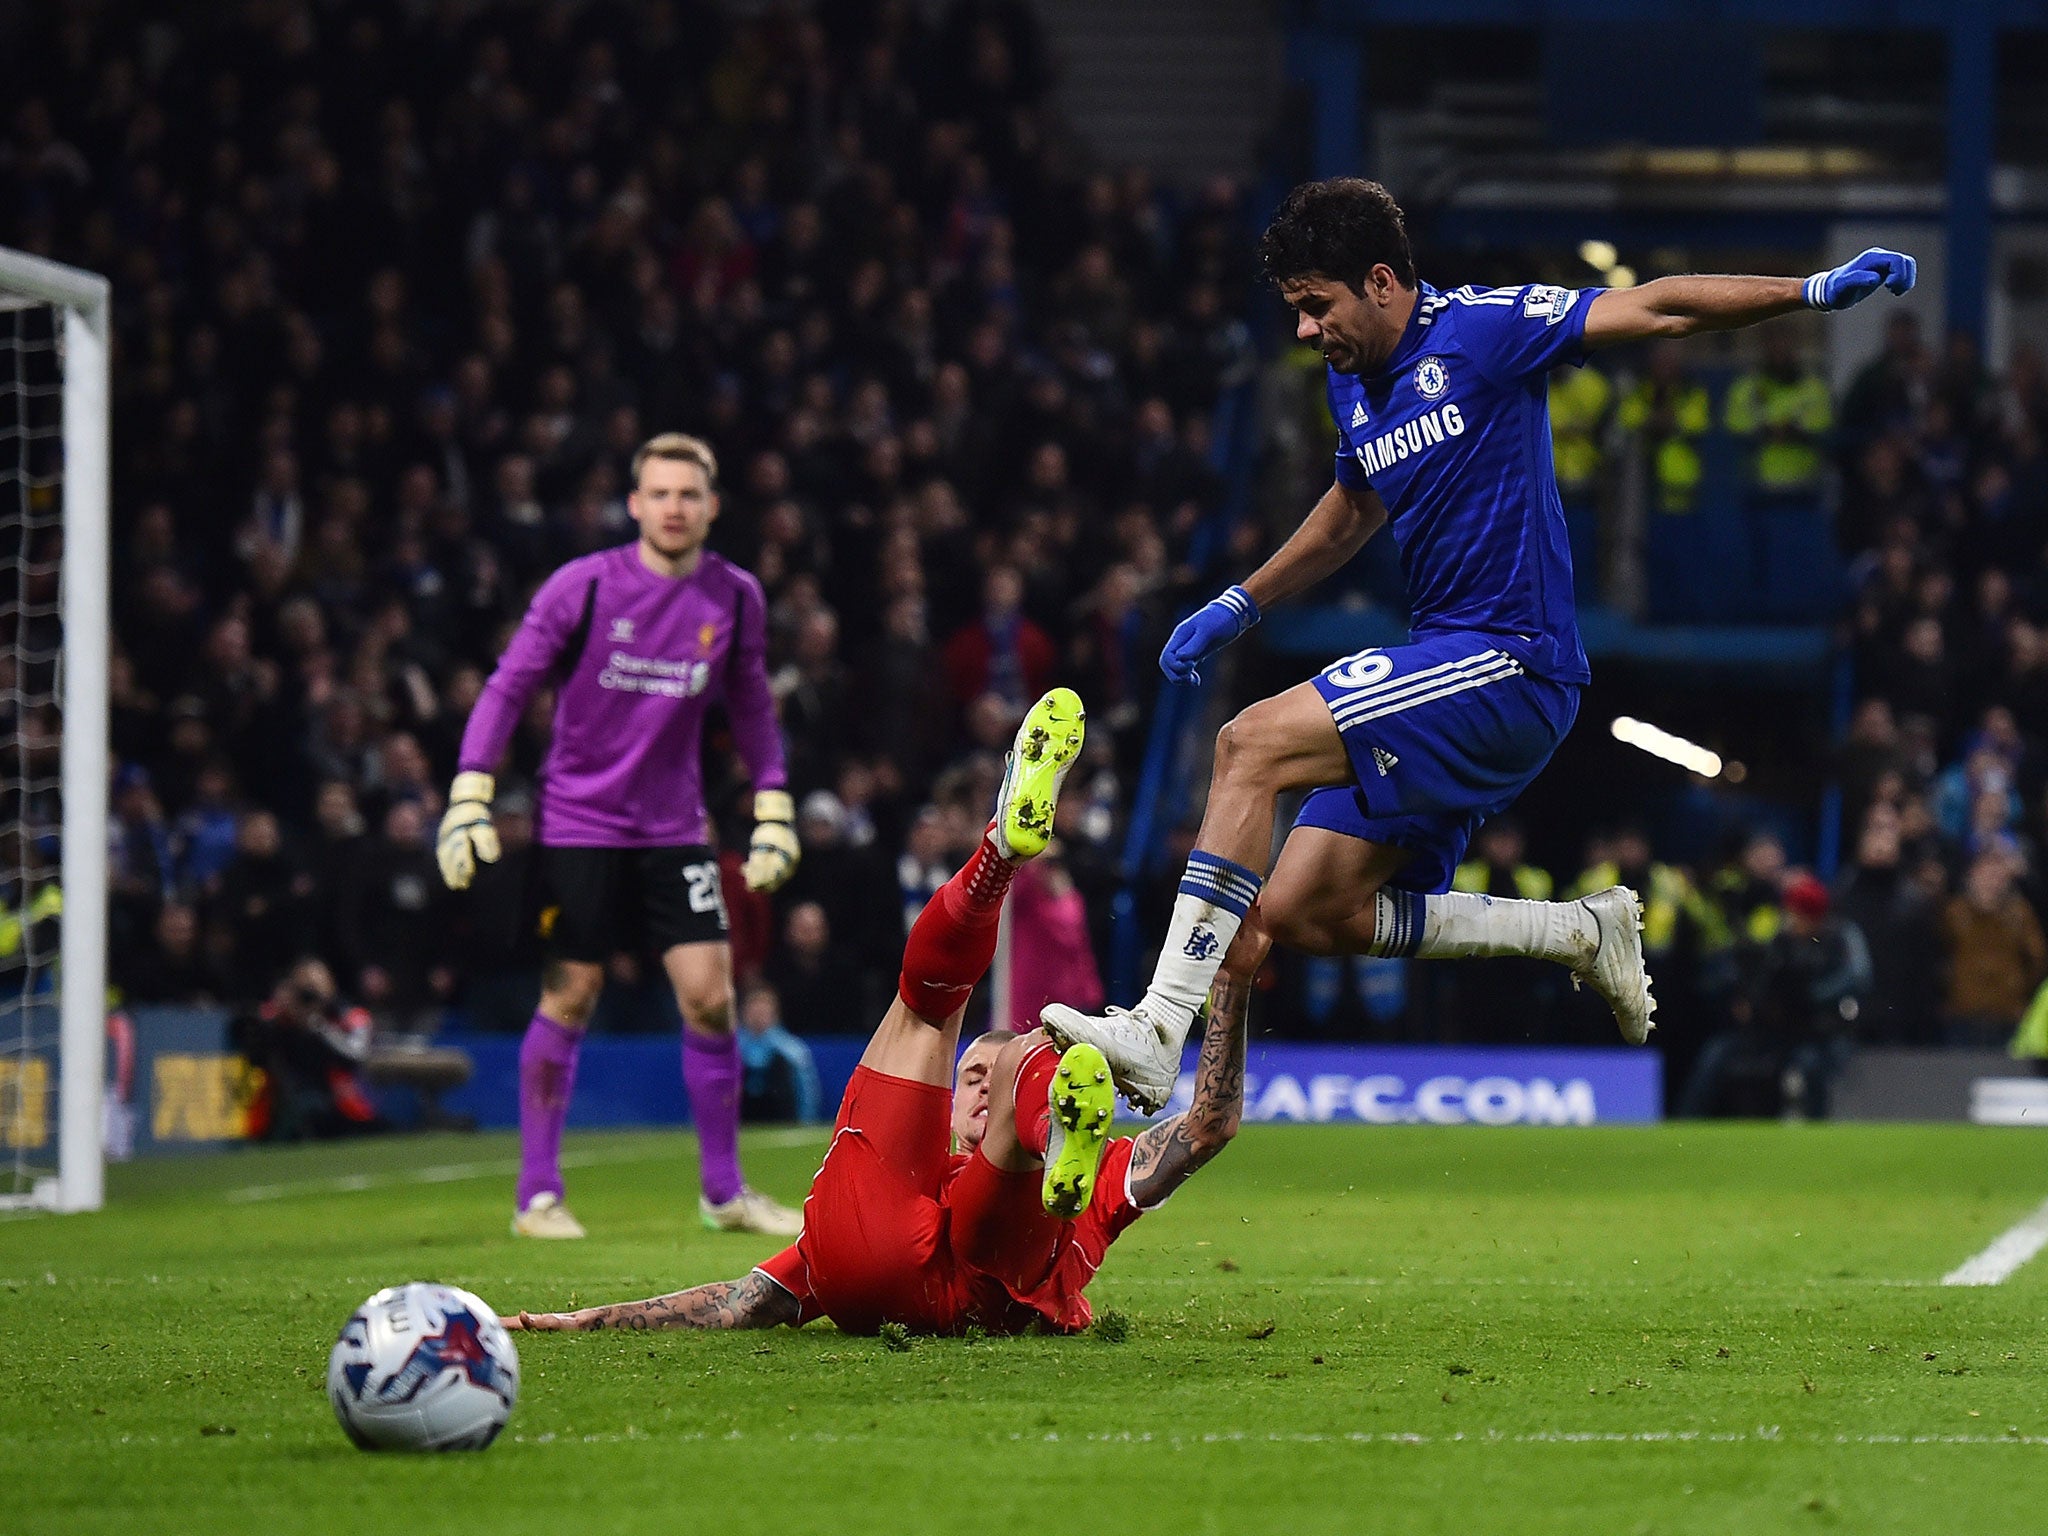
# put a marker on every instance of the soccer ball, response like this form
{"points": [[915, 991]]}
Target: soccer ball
{"points": [[423, 1367]]}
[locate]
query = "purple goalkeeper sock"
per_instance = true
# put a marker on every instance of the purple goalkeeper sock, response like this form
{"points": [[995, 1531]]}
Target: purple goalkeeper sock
{"points": [[547, 1076], [711, 1071]]}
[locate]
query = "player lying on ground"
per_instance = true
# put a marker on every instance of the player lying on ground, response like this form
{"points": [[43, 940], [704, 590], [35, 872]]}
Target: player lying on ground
{"points": [[1443, 436], [1005, 1232], [639, 642]]}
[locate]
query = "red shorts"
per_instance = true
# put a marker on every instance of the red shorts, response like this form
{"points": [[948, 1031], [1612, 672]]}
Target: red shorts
{"points": [[874, 1244], [898, 1229]]}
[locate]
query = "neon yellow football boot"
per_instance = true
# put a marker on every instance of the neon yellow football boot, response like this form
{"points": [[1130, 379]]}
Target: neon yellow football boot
{"points": [[1047, 744], [1083, 1102]]}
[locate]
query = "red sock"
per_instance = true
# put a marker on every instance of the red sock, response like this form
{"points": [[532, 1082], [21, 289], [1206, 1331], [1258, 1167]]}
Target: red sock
{"points": [[954, 938], [1034, 1097]]}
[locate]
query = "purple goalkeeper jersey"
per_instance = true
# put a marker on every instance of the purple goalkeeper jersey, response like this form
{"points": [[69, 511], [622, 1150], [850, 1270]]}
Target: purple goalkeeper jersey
{"points": [[637, 659]]}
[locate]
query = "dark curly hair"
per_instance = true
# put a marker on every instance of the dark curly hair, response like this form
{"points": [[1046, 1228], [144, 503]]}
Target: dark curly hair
{"points": [[1340, 228]]}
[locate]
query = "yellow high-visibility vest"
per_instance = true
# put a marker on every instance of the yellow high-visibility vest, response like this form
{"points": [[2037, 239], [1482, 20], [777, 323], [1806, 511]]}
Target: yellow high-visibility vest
{"points": [[1579, 398], [1675, 458], [1759, 403]]}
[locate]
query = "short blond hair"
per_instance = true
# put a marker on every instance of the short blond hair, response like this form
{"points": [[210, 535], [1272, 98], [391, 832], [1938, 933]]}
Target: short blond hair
{"points": [[682, 448]]}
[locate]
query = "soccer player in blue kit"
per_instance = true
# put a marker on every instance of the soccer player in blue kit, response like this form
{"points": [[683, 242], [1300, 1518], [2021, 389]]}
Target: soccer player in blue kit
{"points": [[1444, 437]]}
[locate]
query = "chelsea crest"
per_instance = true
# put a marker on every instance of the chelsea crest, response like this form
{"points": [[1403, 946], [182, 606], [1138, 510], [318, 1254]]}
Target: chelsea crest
{"points": [[1431, 378]]}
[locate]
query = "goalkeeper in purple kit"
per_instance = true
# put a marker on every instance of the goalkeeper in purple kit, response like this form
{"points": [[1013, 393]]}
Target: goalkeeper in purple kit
{"points": [[639, 641]]}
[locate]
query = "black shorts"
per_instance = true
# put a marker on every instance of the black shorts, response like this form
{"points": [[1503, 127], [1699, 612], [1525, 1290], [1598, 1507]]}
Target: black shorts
{"points": [[596, 902]]}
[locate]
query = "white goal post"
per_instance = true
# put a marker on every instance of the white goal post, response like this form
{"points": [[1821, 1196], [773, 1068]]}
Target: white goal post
{"points": [[81, 299]]}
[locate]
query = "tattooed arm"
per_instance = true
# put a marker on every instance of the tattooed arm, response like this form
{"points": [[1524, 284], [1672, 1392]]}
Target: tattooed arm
{"points": [[1167, 1153], [753, 1302]]}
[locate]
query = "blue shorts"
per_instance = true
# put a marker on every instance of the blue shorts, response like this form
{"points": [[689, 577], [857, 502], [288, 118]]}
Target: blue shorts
{"points": [[1442, 734]]}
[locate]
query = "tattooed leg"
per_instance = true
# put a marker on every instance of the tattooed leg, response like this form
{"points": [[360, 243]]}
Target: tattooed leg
{"points": [[1166, 1154]]}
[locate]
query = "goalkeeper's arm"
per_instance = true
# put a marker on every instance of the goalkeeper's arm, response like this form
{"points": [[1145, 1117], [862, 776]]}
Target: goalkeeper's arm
{"points": [[772, 852]]}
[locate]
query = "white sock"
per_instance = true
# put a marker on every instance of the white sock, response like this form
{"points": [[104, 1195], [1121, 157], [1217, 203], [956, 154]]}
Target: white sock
{"points": [[1214, 896], [1459, 926]]}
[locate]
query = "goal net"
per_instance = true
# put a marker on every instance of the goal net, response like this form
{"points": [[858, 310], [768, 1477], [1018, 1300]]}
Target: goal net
{"points": [[54, 639]]}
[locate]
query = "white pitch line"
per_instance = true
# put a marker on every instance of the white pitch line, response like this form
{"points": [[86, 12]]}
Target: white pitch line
{"points": [[453, 1173], [2012, 1248]]}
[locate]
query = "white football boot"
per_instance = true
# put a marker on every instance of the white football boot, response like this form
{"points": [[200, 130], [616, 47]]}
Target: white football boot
{"points": [[751, 1211], [1143, 1057], [1616, 970], [546, 1216]]}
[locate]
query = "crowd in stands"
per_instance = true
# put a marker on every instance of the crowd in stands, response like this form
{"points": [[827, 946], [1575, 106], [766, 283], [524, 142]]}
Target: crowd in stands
{"points": [[401, 287], [399, 290]]}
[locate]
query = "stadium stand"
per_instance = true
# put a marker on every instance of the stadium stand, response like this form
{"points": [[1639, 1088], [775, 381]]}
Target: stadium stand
{"points": [[444, 267]]}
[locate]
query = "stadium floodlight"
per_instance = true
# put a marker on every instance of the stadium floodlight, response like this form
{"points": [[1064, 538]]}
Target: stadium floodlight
{"points": [[1598, 254], [1661, 743], [54, 642]]}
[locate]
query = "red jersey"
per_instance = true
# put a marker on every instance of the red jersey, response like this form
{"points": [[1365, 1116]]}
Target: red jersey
{"points": [[869, 1255]]}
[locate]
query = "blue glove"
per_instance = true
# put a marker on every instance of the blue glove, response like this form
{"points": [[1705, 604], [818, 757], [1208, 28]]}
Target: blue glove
{"points": [[1205, 631], [1854, 281]]}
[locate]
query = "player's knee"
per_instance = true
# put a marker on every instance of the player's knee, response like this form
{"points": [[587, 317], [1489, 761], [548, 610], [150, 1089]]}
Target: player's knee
{"points": [[1251, 744], [708, 1015], [568, 994]]}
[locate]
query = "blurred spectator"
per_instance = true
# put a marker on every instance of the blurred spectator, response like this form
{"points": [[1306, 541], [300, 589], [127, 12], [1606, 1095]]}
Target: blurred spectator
{"points": [[1669, 413], [1581, 400], [850, 882], [1051, 958], [1749, 890], [173, 966], [1996, 954], [1002, 652], [1903, 928], [1782, 411], [205, 834], [390, 921], [781, 1082], [1511, 999], [264, 904], [817, 981]]}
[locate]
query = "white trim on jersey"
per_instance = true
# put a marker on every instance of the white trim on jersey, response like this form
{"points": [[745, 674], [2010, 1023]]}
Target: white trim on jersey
{"points": [[1398, 694], [1470, 295]]}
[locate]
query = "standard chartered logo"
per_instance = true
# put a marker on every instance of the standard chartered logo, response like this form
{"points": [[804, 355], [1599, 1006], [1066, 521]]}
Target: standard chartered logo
{"points": [[647, 674]]}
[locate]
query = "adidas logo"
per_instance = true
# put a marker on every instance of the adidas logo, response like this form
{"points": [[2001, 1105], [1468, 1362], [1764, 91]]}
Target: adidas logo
{"points": [[1382, 759], [1358, 414]]}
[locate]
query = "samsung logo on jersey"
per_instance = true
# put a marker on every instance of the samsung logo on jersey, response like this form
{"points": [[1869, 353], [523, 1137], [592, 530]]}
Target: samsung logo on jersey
{"points": [[1411, 437]]}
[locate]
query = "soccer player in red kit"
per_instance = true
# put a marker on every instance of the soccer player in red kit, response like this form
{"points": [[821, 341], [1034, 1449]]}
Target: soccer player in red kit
{"points": [[983, 1193]]}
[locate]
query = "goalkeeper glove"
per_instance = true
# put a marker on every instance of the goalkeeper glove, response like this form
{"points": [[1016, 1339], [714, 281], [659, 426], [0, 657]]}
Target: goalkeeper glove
{"points": [[466, 832], [772, 855], [1854, 281]]}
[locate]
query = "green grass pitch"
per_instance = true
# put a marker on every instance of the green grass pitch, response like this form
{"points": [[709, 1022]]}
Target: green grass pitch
{"points": [[1685, 1328]]}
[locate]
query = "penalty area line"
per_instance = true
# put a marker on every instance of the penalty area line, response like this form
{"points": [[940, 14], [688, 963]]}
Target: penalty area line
{"points": [[2008, 1251]]}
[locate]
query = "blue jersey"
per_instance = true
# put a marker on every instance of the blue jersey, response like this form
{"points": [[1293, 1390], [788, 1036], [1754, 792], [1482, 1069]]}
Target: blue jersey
{"points": [[1453, 433]]}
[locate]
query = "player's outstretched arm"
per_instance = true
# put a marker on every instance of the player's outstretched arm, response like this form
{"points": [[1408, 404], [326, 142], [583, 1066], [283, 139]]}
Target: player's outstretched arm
{"points": [[1685, 306], [1335, 530], [752, 1302], [1167, 1154]]}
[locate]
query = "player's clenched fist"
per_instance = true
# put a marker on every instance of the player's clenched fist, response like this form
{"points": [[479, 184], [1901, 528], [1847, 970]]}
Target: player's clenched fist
{"points": [[772, 855], [467, 835], [1205, 631]]}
